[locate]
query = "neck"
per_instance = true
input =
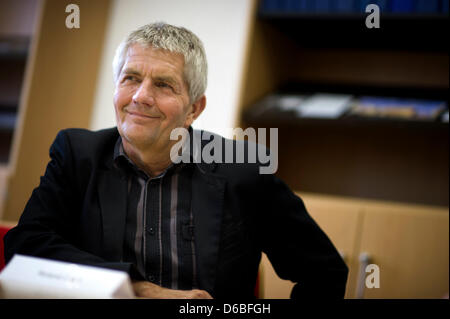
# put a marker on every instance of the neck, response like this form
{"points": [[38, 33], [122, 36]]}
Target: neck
{"points": [[150, 160]]}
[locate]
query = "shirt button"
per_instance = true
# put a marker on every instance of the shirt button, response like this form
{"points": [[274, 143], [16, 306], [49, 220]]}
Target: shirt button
{"points": [[151, 278], [151, 230]]}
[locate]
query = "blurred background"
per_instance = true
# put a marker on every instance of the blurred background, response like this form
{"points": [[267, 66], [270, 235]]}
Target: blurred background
{"points": [[362, 113]]}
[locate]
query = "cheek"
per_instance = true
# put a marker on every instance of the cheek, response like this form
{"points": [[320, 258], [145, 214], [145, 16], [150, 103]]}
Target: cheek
{"points": [[176, 115], [122, 98], [171, 107]]}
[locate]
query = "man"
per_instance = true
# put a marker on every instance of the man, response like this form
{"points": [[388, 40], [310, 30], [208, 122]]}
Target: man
{"points": [[115, 199]]}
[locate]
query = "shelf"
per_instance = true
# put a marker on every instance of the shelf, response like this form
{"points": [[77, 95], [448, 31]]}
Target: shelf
{"points": [[14, 48], [416, 92], [13, 58], [8, 121], [268, 114], [289, 119], [8, 104], [398, 32], [391, 159]]}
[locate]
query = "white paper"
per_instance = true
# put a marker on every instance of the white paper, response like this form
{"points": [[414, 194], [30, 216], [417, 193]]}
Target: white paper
{"points": [[31, 277], [290, 102], [445, 117], [324, 105]]}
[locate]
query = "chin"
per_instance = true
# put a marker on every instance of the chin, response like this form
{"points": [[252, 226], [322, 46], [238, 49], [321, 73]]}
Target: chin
{"points": [[137, 136]]}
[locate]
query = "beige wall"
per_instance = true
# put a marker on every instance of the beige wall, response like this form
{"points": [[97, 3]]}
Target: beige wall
{"points": [[58, 92]]}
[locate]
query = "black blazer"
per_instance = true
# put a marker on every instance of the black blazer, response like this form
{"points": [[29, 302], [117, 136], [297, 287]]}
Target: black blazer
{"points": [[77, 214]]}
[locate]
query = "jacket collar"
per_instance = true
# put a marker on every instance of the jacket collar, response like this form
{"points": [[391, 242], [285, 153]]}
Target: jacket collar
{"points": [[110, 160], [208, 194]]}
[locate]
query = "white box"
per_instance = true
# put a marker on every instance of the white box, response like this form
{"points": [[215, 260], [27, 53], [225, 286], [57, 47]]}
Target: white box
{"points": [[31, 277]]}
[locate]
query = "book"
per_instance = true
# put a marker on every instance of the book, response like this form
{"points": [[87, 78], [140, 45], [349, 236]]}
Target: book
{"points": [[427, 6], [279, 103], [402, 6], [324, 105], [397, 108]]}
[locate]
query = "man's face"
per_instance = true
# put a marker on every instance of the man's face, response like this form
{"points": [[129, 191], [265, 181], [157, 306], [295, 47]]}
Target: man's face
{"points": [[151, 97]]}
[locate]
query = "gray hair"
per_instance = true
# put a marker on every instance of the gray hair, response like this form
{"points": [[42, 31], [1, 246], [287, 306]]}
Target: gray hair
{"points": [[174, 39]]}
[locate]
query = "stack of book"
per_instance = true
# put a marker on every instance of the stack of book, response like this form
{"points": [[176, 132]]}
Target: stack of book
{"points": [[335, 106], [409, 109], [325, 105], [318, 105], [419, 7]]}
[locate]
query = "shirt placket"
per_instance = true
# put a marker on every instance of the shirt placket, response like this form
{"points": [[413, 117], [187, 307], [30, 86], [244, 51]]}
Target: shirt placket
{"points": [[152, 237]]}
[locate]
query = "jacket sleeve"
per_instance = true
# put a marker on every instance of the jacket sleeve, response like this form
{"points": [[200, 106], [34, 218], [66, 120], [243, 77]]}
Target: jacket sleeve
{"points": [[296, 246], [47, 227]]}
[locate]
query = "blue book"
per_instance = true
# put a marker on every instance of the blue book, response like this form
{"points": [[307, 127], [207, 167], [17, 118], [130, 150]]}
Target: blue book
{"points": [[344, 6], [322, 6], [428, 109], [268, 6], [284, 5], [294, 5], [383, 4], [402, 6], [399, 108], [361, 5], [304, 6], [444, 7], [427, 6]]}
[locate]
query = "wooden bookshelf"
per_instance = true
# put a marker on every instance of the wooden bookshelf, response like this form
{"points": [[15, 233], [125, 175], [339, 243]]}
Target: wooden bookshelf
{"points": [[405, 161], [409, 243], [374, 186], [13, 57]]}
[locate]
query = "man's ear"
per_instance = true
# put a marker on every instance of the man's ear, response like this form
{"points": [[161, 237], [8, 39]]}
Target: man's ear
{"points": [[196, 109]]}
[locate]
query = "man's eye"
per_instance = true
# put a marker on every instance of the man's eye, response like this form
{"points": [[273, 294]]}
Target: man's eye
{"points": [[163, 85], [129, 78]]}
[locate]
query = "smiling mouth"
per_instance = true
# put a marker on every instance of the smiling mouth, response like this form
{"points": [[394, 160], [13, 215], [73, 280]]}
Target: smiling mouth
{"points": [[143, 115]]}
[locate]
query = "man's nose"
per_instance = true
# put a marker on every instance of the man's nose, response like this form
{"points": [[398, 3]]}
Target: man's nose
{"points": [[144, 95]]}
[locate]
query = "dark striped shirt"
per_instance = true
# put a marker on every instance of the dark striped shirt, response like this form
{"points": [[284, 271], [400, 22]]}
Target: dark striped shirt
{"points": [[159, 234]]}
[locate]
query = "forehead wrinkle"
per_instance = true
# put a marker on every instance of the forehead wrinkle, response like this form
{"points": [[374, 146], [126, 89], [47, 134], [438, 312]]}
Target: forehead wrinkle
{"points": [[161, 73], [136, 61]]}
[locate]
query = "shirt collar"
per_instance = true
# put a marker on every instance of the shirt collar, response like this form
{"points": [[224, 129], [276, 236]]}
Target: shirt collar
{"points": [[125, 164]]}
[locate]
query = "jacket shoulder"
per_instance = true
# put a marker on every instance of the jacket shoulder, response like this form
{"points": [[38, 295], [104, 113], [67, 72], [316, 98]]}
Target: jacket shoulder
{"points": [[236, 158], [85, 143]]}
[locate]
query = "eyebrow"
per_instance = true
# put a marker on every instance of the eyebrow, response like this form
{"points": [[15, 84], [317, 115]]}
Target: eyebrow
{"points": [[163, 78], [168, 79], [131, 71]]}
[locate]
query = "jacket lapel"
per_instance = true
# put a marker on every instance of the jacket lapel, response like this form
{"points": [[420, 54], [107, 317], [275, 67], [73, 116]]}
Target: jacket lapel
{"points": [[112, 190], [207, 207]]}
